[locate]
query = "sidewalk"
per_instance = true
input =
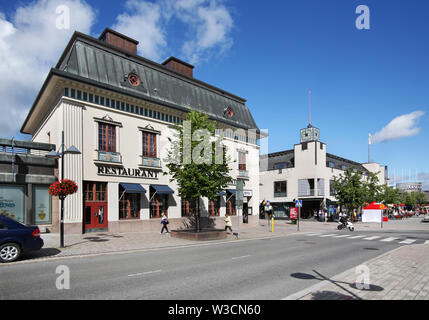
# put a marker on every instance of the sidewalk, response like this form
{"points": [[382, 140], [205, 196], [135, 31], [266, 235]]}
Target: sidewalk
{"points": [[401, 274]]}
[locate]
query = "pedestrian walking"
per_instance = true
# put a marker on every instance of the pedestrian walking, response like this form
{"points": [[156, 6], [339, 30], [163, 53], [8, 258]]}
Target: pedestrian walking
{"points": [[228, 224], [326, 216], [164, 222]]}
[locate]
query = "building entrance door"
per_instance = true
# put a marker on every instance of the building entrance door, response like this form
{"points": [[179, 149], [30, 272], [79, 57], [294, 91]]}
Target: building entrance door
{"points": [[95, 207], [95, 216]]}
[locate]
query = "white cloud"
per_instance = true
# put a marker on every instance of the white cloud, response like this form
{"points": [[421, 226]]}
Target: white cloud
{"points": [[400, 127], [208, 24], [144, 24], [30, 44]]}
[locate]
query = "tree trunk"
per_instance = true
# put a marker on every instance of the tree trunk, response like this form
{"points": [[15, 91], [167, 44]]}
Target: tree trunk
{"points": [[198, 215]]}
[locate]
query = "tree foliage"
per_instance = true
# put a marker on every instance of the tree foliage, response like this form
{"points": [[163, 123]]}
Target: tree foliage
{"points": [[197, 160]]}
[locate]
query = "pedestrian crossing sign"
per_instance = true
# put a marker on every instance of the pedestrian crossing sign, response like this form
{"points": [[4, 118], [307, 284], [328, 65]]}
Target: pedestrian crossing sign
{"points": [[298, 203]]}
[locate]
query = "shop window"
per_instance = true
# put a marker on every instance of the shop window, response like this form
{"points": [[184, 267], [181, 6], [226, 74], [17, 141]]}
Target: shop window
{"points": [[188, 206], [158, 204], [106, 137], [129, 205], [42, 205], [230, 204], [12, 202], [214, 207]]}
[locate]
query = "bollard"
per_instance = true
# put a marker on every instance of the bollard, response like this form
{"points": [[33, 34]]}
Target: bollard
{"points": [[272, 224]]}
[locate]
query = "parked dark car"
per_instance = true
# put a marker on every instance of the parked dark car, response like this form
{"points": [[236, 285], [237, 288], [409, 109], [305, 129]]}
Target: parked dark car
{"points": [[16, 238]]}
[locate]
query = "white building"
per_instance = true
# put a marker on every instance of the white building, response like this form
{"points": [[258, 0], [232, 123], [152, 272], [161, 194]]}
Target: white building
{"points": [[119, 109], [306, 173]]}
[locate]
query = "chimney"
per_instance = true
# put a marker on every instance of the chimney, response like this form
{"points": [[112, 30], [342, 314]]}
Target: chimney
{"points": [[179, 66], [119, 40]]}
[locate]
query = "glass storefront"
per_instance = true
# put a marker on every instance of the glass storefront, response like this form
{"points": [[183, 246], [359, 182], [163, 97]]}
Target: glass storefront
{"points": [[42, 205], [12, 202]]}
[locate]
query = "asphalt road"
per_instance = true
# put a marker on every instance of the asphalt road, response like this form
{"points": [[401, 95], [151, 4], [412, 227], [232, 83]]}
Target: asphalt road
{"points": [[253, 269]]}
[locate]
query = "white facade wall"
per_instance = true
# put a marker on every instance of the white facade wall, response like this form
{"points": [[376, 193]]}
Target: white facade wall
{"points": [[78, 121]]}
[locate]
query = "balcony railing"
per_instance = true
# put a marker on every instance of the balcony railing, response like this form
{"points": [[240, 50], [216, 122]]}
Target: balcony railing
{"points": [[151, 162], [243, 173], [309, 193], [108, 156], [279, 194]]}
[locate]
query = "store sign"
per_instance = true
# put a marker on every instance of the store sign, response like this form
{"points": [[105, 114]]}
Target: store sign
{"points": [[127, 172]]}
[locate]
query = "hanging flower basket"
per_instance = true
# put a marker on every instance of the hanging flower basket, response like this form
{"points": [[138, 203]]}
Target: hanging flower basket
{"points": [[62, 188]]}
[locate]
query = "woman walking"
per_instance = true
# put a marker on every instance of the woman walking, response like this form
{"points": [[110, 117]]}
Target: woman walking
{"points": [[164, 222], [228, 224]]}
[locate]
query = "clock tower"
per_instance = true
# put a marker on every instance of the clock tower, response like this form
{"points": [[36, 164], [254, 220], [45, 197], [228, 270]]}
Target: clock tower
{"points": [[310, 134]]}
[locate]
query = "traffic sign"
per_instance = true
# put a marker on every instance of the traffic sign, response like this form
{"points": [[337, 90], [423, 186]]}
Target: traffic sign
{"points": [[298, 203]]}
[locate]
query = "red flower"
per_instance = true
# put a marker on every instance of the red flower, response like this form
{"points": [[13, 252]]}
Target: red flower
{"points": [[63, 188]]}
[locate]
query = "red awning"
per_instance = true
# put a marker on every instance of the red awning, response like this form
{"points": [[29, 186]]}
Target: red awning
{"points": [[374, 206]]}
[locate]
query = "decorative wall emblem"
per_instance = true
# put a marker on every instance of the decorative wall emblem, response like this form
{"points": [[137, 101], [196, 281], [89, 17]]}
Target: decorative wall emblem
{"points": [[228, 112], [133, 79]]}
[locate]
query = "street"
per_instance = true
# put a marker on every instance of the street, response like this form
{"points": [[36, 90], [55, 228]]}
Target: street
{"points": [[250, 269]]}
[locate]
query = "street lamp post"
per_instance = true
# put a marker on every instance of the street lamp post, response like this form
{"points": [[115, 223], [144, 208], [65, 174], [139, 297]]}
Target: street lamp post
{"points": [[56, 155]]}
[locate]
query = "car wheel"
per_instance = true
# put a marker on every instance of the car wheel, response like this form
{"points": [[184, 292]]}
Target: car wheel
{"points": [[9, 252]]}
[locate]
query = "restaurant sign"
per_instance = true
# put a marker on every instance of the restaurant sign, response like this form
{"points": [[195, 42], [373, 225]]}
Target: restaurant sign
{"points": [[127, 172]]}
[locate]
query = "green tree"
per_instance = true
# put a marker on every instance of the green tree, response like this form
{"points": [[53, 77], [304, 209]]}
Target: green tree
{"points": [[373, 190], [350, 190], [390, 195], [197, 160]]}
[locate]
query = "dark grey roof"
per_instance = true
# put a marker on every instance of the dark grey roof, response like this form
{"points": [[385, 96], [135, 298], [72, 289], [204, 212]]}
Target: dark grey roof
{"points": [[95, 60], [286, 157], [339, 162]]}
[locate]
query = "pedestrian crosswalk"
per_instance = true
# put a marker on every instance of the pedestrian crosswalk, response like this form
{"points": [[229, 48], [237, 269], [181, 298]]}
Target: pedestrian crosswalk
{"points": [[368, 237]]}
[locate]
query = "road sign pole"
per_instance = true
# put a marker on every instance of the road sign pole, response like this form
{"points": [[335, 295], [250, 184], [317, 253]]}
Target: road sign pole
{"points": [[299, 213]]}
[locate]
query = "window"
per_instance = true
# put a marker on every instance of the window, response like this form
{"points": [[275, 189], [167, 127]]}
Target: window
{"points": [[214, 207], [129, 205], [188, 207], [241, 160], [106, 137], [95, 192], [343, 167], [304, 146], [280, 165], [331, 164], [149, 144], [2, 226], [12, 202], [280, 189]]}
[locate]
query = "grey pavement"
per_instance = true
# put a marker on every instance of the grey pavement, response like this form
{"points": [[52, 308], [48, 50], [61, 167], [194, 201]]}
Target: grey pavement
{"points": [[401, 274]]}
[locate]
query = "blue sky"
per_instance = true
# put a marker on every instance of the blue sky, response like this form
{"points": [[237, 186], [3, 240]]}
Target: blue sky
{"points": [[270, 53]]}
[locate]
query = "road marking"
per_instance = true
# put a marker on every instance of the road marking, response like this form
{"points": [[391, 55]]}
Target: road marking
{"points": [[408, 241], [372, 238], [328, 235], [313, 234], [240, 257], [143, 273], [389, 239], [342, 236], [356, 237]]}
